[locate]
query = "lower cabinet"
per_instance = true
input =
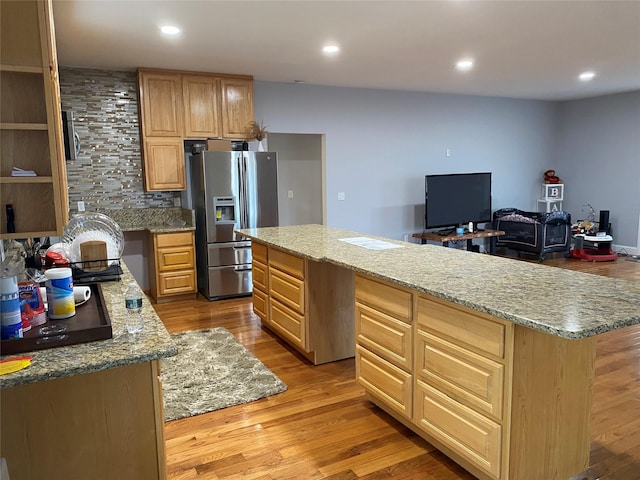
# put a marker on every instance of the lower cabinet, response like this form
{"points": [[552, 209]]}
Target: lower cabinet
{"points": [[172, 272], [98, 425], [260, 277], [322, 329], [502, 400]]}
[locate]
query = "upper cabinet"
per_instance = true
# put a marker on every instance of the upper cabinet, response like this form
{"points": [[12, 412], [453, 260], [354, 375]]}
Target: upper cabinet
{"points": [[30, 123], [160, 97], [201, 96], [237, 106], [182, 106]]}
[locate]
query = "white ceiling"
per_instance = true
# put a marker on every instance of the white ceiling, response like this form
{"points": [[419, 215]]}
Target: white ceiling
{"points": [[523, 49]]}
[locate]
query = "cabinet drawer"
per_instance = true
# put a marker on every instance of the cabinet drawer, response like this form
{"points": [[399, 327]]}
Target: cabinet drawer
{"points": [[260, 302], [174, 239], [477, 332], [286, 262], [175, 258], [177, 282], [259, 270], [472, 379], [390, 300], [386, 336], [259, 252], [466, 432], [287, 289], [385, 381], [288, 323]]}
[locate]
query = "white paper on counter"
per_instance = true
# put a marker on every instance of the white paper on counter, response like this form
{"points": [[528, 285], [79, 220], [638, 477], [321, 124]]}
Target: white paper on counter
{"points": [[370, 243]]}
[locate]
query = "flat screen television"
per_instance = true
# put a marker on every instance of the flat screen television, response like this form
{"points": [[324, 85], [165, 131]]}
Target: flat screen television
{"points": [[457, 199]]}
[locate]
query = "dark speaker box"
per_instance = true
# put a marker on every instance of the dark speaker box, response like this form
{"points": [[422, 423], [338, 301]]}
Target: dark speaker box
{"points": [[603, 225]]}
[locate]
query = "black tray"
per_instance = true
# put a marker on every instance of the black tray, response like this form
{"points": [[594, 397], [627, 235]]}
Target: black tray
{"points": [[91, 322]]}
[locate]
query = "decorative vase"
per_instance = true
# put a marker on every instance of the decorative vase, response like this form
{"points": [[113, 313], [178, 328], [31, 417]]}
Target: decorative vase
{"points": [[260, 146]]}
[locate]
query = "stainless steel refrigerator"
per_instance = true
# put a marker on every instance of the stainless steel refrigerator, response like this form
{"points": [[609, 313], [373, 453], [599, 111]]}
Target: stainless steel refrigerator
{"points": [[230, 190]]}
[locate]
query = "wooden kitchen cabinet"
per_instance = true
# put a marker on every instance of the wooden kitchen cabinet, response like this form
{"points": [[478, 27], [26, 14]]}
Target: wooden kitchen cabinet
{"points": [[164, 164], [260, 277], [100, 425], [287, 297], [200, 95], [30, 122], [485, 391], [179, 105], [462, 367], [161, 104], [384, 336], [172, 274], [237, 106], [321, 330]]}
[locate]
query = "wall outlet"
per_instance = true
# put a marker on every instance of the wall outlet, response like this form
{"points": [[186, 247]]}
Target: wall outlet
{"points": [[81, 206], [177, 202], [341, 196], [290, 194]]}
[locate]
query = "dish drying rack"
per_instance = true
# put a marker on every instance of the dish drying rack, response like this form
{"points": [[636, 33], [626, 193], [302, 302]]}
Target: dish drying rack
{"points": [[94, 271]]}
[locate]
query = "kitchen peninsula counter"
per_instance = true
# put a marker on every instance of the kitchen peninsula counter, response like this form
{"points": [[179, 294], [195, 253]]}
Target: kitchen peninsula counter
{"points": [[491, 360], [552, 300], [91, 410], [154, 342]]}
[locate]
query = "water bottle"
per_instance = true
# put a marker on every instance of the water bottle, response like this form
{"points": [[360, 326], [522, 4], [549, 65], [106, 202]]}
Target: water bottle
{"points": [[133, 302]]}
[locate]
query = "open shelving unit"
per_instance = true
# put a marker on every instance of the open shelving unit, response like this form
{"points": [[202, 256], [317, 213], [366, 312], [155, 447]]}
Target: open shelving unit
{"points": [[30, 122]]}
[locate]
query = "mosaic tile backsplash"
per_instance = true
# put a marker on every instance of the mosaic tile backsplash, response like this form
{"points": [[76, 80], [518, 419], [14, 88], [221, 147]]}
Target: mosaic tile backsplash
{"points": [[107, 173]]}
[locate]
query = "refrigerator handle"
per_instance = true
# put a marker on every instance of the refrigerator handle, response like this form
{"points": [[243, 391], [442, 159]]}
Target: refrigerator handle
{"points": [[241, 191], [244, 206]]}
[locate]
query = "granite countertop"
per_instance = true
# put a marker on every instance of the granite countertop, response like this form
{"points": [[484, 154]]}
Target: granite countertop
{"points": [[154, 342], [155, 220], [553, 300]]}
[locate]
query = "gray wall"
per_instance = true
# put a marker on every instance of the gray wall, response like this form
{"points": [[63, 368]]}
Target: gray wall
{"points": [[598, 158], [380, 144], [299, 172]]}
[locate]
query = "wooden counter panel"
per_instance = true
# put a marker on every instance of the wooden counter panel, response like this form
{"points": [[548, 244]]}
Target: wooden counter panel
{"points": [[100, 425]]}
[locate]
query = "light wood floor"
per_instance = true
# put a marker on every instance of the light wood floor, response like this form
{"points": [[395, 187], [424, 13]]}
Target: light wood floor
{"points": [[323, 428]]}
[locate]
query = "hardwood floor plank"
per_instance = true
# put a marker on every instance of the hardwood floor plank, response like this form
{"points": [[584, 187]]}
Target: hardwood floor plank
{"points": [[322, 427]]}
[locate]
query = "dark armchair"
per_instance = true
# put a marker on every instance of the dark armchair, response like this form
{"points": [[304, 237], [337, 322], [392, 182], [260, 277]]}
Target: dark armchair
{"points": [[533, 232]]}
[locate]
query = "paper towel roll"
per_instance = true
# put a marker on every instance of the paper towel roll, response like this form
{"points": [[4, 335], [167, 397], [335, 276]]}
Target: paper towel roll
{"points": [[81, 294]]}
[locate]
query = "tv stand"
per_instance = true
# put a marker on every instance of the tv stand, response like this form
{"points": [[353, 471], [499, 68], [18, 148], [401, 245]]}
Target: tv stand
{"points": [[492, 235], [445, 232]]}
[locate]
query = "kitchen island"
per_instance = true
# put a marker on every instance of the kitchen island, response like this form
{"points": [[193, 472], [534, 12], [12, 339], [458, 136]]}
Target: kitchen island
{"points": [[489, 359], [91, 410]]}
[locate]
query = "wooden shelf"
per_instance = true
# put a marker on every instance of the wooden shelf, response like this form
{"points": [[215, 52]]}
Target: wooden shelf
{"points": [[31, 122], [17, 180], [23, 126], [21, 69]]}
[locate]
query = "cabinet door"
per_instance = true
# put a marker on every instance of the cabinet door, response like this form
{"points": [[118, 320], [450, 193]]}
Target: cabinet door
{"points": [[164, 167], [468, 433], [201, 97], [172, 283], [237, 106], [160, 98], [175, 258], [291, 325], [387, 382]]}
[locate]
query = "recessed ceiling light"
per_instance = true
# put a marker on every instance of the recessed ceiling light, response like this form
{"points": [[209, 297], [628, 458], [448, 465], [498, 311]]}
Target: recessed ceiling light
{"points": [[465, 64], [170, 29], [330, 49], [586, 76]]}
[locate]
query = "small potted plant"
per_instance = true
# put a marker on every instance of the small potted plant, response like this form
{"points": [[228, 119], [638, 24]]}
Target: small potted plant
{"points": [[257, 131]]}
